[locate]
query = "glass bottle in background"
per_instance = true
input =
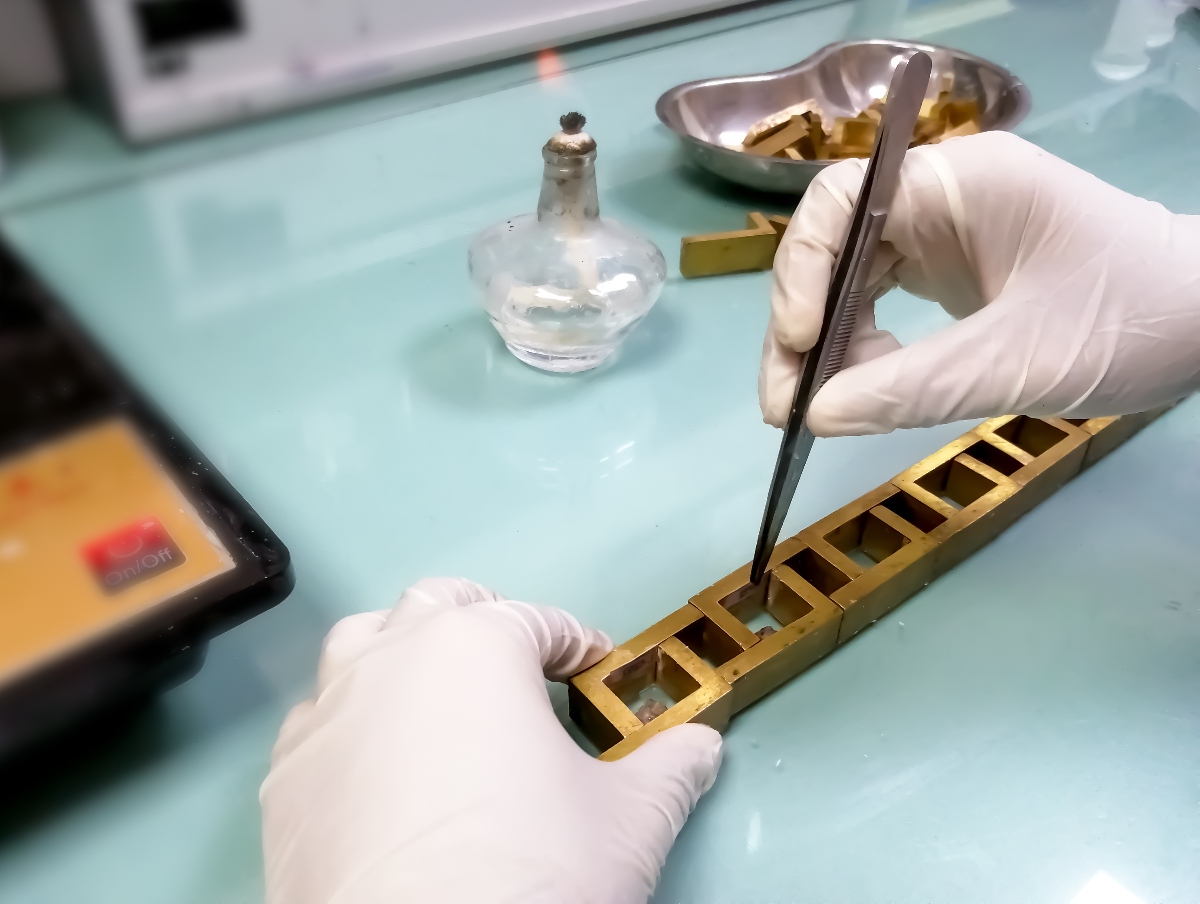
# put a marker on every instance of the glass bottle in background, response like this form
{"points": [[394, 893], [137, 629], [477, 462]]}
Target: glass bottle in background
{"points": [[562, 286]]}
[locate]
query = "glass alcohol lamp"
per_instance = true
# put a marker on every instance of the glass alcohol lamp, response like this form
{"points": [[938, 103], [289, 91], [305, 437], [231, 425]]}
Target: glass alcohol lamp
{"points": [[563, 286]]}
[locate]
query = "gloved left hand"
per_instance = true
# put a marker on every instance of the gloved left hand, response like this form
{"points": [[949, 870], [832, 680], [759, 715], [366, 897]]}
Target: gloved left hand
{"points": [[430, 767]]}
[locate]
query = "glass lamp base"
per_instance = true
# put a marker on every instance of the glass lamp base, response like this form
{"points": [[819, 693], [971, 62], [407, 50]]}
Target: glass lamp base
{"points": [[560, 362]]}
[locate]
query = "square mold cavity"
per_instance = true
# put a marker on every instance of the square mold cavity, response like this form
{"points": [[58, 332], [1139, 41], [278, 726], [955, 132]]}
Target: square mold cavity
{"points": [[771, 604], [866, 540], [818, 571], [805, 627], [1028, 433], [914, 511], [710, 641], [652, 676], [994, 457], [955, 483]]}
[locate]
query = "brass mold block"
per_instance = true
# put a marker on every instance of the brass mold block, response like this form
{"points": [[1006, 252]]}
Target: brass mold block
{"points": [[1039, 454], [1109, 432], [780, 224], [601, 698], [883, 557], [797, 128], [966, 494], [735, 642], [786, 626], [715, 253]]}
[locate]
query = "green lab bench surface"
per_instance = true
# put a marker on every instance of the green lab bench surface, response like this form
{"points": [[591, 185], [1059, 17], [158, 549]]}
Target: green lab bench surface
{"points": [[294, 293]]}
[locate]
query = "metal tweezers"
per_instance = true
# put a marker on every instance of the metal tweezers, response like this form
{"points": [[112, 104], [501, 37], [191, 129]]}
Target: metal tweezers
{"points": [[846, 289]]}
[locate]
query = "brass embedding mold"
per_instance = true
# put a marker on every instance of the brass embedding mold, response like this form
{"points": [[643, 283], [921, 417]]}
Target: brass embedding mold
{"points": [[653, 665], [798, 132], [736, 642], [715, 253]]}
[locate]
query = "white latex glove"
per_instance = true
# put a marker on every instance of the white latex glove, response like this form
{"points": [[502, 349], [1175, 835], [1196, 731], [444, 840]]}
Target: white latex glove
{"points": [[1073, 297], [430, 767]]}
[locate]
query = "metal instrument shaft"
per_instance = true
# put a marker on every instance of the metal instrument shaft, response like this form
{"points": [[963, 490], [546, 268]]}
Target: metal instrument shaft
{"points": [[910, 80]]}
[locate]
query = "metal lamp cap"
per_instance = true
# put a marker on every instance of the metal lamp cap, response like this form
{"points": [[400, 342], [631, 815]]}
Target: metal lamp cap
{"points": [[572, 141]]}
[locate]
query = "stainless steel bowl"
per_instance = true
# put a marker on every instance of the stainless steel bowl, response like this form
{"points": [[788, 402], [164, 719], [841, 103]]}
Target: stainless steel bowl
{"points": [[713, 116]]}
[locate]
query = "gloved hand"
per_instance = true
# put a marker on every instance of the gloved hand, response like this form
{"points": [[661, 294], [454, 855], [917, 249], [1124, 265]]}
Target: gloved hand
{"points": [[430, 767], [1073, 297]]}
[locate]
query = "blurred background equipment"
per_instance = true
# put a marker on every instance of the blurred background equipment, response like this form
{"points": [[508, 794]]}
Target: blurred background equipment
{"points": [[164, 67], [1137, 27], [122, 551]]}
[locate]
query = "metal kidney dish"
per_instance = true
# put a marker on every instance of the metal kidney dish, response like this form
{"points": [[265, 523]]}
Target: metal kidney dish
{"points": [[712, 116]]}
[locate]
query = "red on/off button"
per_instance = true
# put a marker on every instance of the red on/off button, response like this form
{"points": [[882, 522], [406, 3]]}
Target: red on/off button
{"points": [[132, 554]]}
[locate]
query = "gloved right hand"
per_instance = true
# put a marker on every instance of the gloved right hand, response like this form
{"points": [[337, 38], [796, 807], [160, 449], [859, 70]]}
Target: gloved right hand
{"points": [[1073, 297]]}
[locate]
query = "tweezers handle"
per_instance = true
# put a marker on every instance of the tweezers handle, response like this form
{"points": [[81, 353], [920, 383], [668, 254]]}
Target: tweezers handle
{"points": [[846, 308]]}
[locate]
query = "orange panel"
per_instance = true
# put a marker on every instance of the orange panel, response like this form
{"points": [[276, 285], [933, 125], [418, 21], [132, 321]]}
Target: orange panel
{"points": [[93, 532]]}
